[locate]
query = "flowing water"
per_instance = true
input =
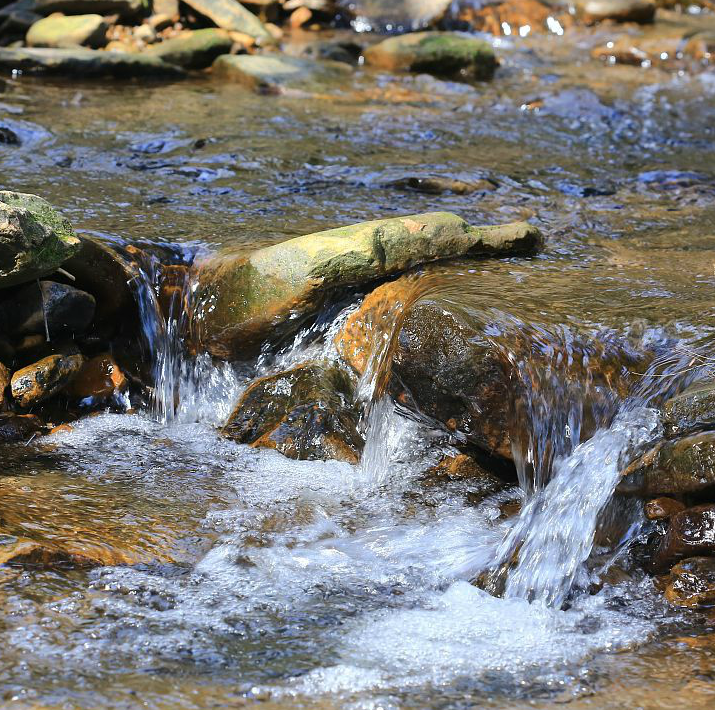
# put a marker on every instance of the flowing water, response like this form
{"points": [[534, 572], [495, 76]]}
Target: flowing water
{"points": [[254, 578]]}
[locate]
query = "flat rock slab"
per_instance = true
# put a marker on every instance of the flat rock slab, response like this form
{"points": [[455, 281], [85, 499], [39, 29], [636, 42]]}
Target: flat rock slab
{"points": [[231, 15], [273, 73], [193, 50], [73, 31], [87, 63]]}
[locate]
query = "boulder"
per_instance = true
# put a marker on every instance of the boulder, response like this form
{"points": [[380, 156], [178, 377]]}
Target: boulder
{"points": [[692, 409], [195, 49], [5, 376], [99, 379], [691, 533], [445, 54], [80, 7], [618, 10], [274, 73], [231, 15], [42, 380], [239, 301], [55, 308], [18, 427], [672, 467], [692, 583], [73, 31], [87, 63], [662, 508], [305, 413], [34, 238]]}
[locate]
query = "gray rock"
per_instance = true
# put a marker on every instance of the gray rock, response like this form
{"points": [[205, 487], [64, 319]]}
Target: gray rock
{"points": [[194, 50], [73, 31], [231, 15]]}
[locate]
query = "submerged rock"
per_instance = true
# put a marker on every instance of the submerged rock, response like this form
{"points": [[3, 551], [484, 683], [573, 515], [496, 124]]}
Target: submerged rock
{"points": [[55, 308], [692, 409], [240, 301], [273, 73], [41, 380], [692, 583], [194, 49], [618, 10], [87, 63], [305, 413], [691, 533], [440, 185], [34, 238], [99, 379], [231, 15], [18, 427], [440, 53], [73, 31], [672, 467]]}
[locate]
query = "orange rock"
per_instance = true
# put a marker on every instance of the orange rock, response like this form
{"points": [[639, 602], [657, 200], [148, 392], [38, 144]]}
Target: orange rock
{"points": [[515, 17], [61, 429], [300, 17], [99, 377], [662, 508], [42, 380]]}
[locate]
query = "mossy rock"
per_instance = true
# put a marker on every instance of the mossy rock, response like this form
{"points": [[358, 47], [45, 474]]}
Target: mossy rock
{"points": [[34, 238], [692, 409], [193, 50], [445, 54]]}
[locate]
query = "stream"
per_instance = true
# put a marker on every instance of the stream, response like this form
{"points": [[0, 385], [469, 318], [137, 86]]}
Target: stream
{"points": [[320, 584]]}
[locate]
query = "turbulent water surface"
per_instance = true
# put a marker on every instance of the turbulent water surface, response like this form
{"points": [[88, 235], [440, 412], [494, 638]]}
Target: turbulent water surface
{"points": [[328, 585]]}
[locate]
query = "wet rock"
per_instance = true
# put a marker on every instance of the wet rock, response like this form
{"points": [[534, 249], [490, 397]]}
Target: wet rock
{"points": [[701, 46], [55, 308], [61, 31], [441, 53], [42, 380], [193, 50], [638, 51], [18, 427], [241, 300], [692, 583], [440, 185], [662, 508], [508, 17], [87, 63], [345, 51], [80, 7], [618, 10], [34, 238], [462, 467], [231, 15], [691, 533], [305, 413], [273, 73], [672, 467], [164, 8], [17, 17], [406, 14], [692, 409], [5, 376], [8, 136], [99, 379]]}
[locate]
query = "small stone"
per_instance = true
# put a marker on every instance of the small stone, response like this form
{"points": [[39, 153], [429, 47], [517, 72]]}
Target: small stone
{"points": [[18, 427], [691, 533], [618, 10], [195, 49], [73, 31], [440, 185], [99, 379], [146, 34], [9, 137], [662, 508], [161, 21], [299, 17], [61, 429], [5, 376], [165, 8], [42, 380], [692, 583]]}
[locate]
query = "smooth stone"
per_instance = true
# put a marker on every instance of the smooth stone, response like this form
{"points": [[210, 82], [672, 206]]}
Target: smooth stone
{"points": [[672, 467], [165, 8], [662, 508], [692, 409], [401, 13], [34, 239], [73, 31], [87, 63], [81, 7], [691, 533], [5, 377], [231, 15], [304, 413], [44, 379], [692, 583], [241, 301], [53, 307], [18, 427], [440, 53], [195, 49], [619, 10], [701, 46], [99, 379], [274, 73]]}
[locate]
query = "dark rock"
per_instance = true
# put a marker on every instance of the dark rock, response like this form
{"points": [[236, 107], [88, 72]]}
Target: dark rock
{"points": [[462, 467], [305, 413], [18, 427], [42, 380], [691, 533], [193, 50], [692, 583], [5, 376], [662, 508], [54, 308], [8, 136], [692, 409], [99, 379], [440, 185], [32, 348], [672, 467], [347, 51]]}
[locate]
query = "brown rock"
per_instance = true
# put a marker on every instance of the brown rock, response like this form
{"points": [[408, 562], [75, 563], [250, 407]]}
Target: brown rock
{"points": [[662, 508], [98, 379], [511, 15], [692, 583], [42, 380], [5, 376], [300, 17], [18, 427], [691, 533]]}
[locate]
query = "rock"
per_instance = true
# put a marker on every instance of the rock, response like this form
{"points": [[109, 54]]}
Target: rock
{"points": [[273, 73], [61, 31], [619, 10], [507, 17], [231, 15], [9, 137], [34, 238], [42, 380], [123, 8], [194, 49], [691, 533], [99, 379], [87, 63], [701, 46], [672, 467], [345, 51], [305, 413], [407, 14], [240, 301], [692, 583], [18, 427], [167, 8], [692, 409], [444, 54], [440, 185], [461, 467], [53, 307], [5, 376], [662, 508]]}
